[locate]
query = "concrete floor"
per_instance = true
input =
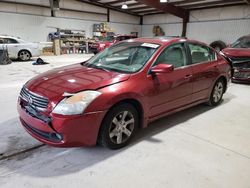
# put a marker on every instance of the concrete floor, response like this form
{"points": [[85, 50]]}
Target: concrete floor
{"points": [[199, 147]]}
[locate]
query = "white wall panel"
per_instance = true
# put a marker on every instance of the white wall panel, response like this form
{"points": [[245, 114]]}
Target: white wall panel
{"points": [[226, 24], [234, 12], [29, 9], [161, 19], [116, 16], [81, 15], [169, 29], [227, 31], [33, 23], [125, 28], [36, 28], [34, 2], [67, 4], [76, 5]]}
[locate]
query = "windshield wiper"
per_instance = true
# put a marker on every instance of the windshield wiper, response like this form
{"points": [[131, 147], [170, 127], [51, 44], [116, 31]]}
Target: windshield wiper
{"points": [[101, 68]]}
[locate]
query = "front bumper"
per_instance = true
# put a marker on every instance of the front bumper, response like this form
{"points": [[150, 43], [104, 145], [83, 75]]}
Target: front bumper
{"points": [[241, 75], [63, 131]]}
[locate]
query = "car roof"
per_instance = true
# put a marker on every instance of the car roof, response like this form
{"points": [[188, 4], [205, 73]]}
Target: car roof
{"points": [[5, 36], [166, 40]]}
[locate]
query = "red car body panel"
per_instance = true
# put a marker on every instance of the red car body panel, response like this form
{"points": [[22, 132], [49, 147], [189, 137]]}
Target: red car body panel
{"points": [[236, 52], [157, 95]]}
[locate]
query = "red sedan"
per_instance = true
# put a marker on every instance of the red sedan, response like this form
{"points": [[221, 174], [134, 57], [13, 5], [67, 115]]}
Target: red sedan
{"points": [[108, 98], [109, 41], [239, 56]]}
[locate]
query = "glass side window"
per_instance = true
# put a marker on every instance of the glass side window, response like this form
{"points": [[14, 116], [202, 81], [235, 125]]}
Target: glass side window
{"points": [[2, 41], [11, 41], [201, 53], [174, 55]]}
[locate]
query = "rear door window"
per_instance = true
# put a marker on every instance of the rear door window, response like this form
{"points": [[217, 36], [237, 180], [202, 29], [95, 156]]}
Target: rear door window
{"points": [[200, 53], [11, 41], [2, 41]]}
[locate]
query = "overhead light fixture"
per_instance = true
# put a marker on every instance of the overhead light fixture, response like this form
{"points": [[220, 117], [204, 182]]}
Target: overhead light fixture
{"points": [[163, 1], [124, 6]]}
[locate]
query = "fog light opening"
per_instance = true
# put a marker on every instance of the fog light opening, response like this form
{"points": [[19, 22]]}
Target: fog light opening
{"points": [[56, 136]]}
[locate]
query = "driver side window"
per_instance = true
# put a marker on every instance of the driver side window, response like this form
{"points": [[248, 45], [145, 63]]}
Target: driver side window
{"points": [[174, 55]]}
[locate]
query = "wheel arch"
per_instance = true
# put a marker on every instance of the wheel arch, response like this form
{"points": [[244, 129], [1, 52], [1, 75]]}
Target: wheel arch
{"points": [[136, 104], [24, 50], [224, 79]]}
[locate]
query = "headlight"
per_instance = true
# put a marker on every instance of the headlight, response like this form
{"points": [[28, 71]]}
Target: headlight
{"points": [[76, 104]]}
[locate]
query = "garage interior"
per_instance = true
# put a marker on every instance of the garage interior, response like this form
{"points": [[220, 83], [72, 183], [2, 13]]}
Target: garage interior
{"points": [[199, 147]]}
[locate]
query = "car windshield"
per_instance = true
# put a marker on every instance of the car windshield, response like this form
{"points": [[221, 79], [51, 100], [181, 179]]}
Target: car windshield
{"points": [[125, 57], [243, 42]]}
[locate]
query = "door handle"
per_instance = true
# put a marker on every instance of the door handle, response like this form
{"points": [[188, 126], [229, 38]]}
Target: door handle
{"points": [[188, 76]]}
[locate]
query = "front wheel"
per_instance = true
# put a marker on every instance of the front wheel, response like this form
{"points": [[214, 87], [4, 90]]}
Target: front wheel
{"points": [[119, 126], [24, 55], [217, 93]]}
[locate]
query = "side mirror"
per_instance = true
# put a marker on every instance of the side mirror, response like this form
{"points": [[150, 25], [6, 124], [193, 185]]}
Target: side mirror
{"points": [[162, 68]]}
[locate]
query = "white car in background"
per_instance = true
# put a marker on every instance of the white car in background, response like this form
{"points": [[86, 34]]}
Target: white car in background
{"points": [[18, 48]]}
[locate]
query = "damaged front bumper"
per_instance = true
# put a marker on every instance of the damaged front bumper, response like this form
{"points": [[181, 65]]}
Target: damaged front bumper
{"points": [[59, 130]]}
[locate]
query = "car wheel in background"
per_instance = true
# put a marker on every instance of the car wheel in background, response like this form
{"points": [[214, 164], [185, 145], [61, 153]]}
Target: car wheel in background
{"points": [[24, 55], [217, 93], [218, 45], [119, 126]]}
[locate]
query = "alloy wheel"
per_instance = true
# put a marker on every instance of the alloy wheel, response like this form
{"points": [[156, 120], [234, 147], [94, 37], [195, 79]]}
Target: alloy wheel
{"points": [[218, 92], [121, 127], [24, 55]]}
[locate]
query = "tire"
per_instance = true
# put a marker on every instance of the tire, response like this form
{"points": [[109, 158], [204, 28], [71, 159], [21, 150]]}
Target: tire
{"points": [[217, 93], [119, 126], [24, 55], [218, 45]]}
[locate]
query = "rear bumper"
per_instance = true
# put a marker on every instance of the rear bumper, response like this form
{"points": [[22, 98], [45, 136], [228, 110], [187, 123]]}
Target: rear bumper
{"points": [[63, 131]]}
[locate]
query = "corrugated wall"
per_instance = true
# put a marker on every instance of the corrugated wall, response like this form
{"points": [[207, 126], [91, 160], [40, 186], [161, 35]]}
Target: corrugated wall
{"points": [[33, 23], [226, 24]]}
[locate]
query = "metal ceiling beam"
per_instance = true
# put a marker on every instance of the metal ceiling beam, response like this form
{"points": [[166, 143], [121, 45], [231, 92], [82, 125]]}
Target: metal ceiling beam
{"points": [[167, 7], [113, 2], [171, 9], [147, 10], [247, 1], [138, 8], [129, 4], [96, 3]]}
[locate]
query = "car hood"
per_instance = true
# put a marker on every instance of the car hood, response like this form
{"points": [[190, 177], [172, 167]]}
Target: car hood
{"points": [[236, 52], [72, 79]]}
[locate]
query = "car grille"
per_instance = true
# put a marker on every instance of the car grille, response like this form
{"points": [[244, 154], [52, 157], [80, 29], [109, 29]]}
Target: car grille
{"points": [[33, 99], [242, 75]]}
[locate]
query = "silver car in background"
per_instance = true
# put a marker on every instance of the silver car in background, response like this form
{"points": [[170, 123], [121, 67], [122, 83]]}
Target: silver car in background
{"points": [[18, 48]]}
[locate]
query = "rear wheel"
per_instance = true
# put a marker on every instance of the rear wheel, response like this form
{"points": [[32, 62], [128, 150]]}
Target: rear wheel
{"points": [[24, 55], [217, 93], [118, 126]]}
